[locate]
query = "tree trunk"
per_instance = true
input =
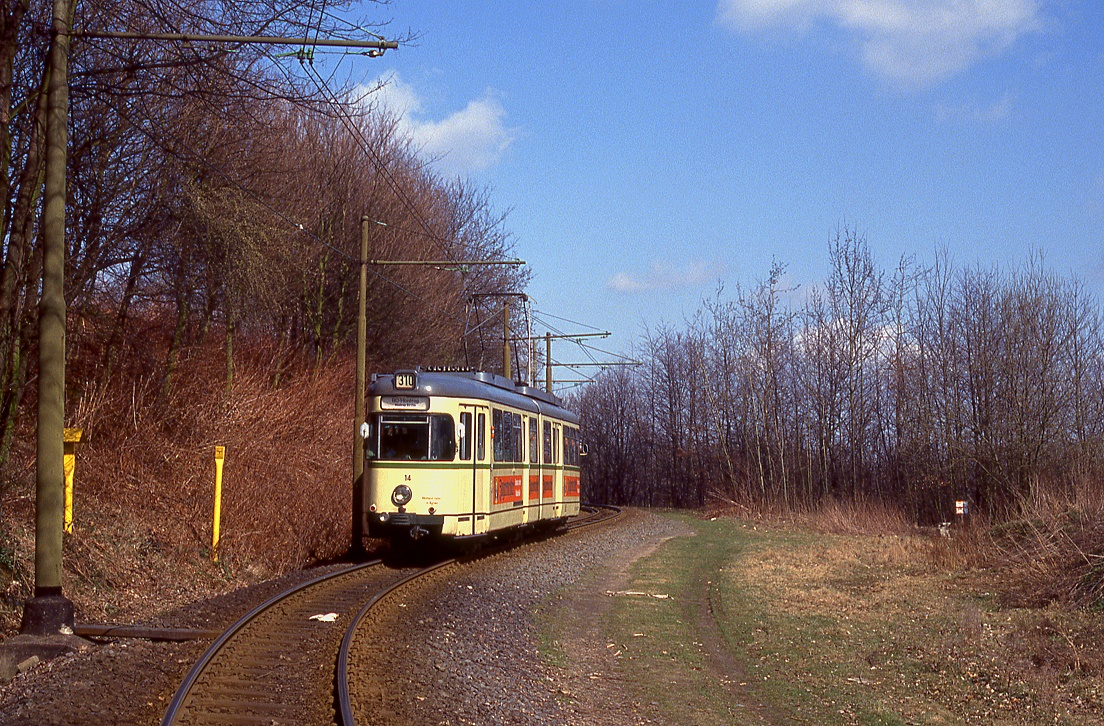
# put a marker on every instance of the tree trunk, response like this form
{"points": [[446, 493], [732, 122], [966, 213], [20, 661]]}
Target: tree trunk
{"points": [[107, 361], [183, 309]]}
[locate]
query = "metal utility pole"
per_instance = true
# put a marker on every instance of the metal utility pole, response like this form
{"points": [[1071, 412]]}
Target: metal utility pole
{"points": [[506, 339], [49, 610], [372, 45], [548, 338], [357, 547], [506, 366]]}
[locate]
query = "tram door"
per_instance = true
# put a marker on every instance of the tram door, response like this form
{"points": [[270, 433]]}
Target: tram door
{"points": [[548, 470], [557, 470], [474, 449], [533, 510]]}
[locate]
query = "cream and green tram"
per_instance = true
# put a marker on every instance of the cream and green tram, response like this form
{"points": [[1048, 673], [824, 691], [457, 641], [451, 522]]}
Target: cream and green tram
{"points": [[466, 454]]}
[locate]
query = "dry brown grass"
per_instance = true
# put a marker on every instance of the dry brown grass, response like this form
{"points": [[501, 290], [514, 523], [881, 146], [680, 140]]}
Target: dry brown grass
{"points": [[145, 480], [832, 516], [846, 517], [1053, 552]]}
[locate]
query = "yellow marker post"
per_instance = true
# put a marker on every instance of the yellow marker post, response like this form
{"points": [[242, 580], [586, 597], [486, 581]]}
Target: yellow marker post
{"points": [[220, 454], [72, 438]]}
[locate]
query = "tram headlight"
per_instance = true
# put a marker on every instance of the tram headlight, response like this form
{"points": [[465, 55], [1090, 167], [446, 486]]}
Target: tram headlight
{"points": [[401, 496]]}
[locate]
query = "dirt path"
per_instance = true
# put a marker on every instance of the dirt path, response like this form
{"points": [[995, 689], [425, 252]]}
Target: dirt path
{"points": [[592, 680], [590, 675], [728, 673]]}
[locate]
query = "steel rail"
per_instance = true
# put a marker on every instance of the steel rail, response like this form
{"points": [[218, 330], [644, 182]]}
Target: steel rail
{"points": [[185, 688], [345, 705], [613, 513]]}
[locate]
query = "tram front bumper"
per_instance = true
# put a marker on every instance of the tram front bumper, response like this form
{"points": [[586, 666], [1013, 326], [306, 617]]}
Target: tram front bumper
{"points": [[388, 524]]}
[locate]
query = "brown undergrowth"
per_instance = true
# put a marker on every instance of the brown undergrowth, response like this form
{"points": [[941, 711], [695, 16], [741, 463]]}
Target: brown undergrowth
{"points": [[832, 516], [145, 480]]}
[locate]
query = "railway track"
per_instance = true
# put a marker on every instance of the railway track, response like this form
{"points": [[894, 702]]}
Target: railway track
{"points": [[348, 694], [277, 666]]}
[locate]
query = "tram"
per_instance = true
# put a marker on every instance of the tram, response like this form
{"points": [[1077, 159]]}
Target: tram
{"points": [[464, 454]]}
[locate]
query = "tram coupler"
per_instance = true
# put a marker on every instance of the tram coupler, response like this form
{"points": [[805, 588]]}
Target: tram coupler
{"points": [[416, 532]]}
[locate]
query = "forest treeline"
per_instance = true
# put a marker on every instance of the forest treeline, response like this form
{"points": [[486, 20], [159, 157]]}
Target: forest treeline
{"points": [[917, 386], [215, 196]]}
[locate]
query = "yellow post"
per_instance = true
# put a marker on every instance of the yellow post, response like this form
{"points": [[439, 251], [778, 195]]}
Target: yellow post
{"points": [[220, 454], [72, 438]]}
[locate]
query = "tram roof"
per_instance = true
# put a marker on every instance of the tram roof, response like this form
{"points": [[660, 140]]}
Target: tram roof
{"points": [[474, 384]]}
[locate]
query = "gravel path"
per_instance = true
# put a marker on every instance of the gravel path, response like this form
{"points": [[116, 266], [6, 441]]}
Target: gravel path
{"points": [[467, 650]]}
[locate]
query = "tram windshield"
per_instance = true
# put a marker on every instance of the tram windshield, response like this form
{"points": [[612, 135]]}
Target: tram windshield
{"points": [[412, 437]]}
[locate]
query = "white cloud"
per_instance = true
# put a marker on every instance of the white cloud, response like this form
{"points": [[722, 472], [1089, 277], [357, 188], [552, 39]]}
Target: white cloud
{"points": [[396, 95], [664, 276], [624, 282], [469, 140], [910, 42]]}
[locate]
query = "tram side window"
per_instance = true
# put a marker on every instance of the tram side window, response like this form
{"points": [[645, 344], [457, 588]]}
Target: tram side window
{"points": [[371, 439], [498, 437], [442, 438], [465, 440], [571, 447], [534, 446], [548, 443], [481, 438], [507, 436], [513, 421]]}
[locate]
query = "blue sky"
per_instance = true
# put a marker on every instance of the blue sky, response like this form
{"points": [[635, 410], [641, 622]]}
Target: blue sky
{"points": [[649, 150]]}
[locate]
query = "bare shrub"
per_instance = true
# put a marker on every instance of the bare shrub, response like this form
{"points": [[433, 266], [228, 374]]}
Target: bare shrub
{"points": [[831, 516], [1055, 548], [145, 481], [285, 487]]}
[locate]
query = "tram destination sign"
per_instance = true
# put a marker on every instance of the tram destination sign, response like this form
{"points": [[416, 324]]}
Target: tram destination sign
{"points": [[404, 403]]}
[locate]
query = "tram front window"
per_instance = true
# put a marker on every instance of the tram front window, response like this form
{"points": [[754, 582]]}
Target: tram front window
{"points": [[416, 438]]}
